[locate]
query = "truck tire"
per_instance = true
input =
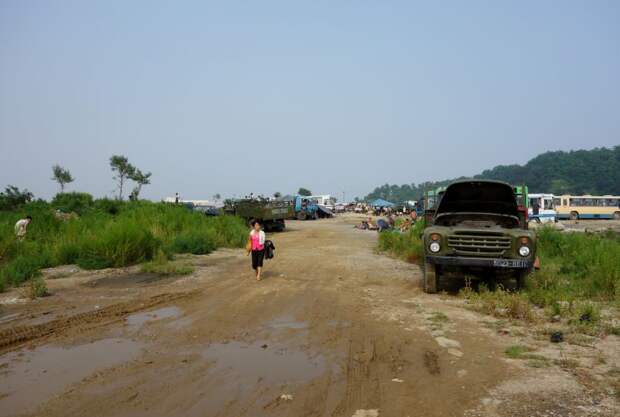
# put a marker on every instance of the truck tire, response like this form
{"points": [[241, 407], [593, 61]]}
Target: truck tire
{"points": [[574, 215], [617, 215], [430, 278], [301, 215], [521, 277]]}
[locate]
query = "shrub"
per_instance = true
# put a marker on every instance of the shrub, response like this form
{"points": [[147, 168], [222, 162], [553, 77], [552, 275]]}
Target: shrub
{"points": [[37, 288], [13, 198], [73, 202], [161, 265], [193, 242], [20, 269], [109, 206], [407, 245], [122, 243]]}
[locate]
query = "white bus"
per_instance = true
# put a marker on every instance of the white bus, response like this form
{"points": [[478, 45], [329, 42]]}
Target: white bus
{"points": [[541, 208]]}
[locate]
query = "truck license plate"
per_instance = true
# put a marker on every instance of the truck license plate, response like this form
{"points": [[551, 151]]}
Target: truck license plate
{"points": [[509, 263]]}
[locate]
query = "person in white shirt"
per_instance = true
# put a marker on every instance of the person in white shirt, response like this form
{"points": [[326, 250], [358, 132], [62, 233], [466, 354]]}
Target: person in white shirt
{"points": [[21, 227]]}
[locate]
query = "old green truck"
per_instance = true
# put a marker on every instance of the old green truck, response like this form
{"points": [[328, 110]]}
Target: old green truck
{"points": [[477, 231], [271, 213]]}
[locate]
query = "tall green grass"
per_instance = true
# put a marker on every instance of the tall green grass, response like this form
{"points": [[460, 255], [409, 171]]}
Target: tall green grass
{"points": [[576, 266], [108, 234], [407, 245]]}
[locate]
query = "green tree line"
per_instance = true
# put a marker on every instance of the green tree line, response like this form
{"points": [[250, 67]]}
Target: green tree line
{"points": [[595, 172]]}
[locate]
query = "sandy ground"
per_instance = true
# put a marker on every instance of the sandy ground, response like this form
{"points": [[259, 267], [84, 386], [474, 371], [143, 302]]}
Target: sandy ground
{"points": [[334, 329]]}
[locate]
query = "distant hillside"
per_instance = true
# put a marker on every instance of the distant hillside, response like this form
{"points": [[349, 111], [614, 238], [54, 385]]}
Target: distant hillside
{"points": [[596, 171]]}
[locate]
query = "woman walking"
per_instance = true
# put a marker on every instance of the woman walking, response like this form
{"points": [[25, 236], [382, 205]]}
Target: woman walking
{"points": [[257, 247]]}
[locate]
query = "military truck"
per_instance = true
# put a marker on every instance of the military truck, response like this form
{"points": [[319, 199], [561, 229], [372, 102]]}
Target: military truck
{"points": [[477, 230], [270, 213]]}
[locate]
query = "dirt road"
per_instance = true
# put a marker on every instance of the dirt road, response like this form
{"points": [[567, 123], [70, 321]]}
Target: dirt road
{"points": [[334, 329]]}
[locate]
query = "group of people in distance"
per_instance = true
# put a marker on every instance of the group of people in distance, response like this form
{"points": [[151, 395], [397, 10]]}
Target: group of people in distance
{"points": [[389, 224]]}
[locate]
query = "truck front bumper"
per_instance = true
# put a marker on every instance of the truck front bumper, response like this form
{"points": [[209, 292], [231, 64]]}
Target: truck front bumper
{"points": [[481, 262]]}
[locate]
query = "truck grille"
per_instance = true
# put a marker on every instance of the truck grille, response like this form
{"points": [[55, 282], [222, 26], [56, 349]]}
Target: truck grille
{"points": [[482, 244]]}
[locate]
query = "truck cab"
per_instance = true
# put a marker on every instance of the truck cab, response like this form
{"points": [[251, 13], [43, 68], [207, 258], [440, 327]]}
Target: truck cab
{"points": [[478, 230]]}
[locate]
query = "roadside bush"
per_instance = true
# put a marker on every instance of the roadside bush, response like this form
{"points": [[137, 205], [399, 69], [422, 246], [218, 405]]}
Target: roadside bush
{"points": [[577, 265], [37, 288], [161, 265], [73, 202], [407, 245], [122, 243], [109, 206], [108, 234], [193, 242], [20, 269]]}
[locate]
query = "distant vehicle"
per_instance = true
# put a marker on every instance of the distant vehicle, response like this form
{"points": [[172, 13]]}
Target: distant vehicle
{"points": [[270, 213], [477, 230], [306, 208], [541, 208], [325, 200], [208, 210], [340, 208], [587, 207]]}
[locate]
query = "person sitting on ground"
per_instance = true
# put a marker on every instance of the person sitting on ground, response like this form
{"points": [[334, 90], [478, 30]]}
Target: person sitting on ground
{"points": [[371, 224], [21, 227], [391, 220], [383, 225], [363, 225], [404, 226]]}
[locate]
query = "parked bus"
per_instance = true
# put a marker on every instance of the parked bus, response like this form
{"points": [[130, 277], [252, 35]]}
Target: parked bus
{"points": [[587, 207], [541, 208]]}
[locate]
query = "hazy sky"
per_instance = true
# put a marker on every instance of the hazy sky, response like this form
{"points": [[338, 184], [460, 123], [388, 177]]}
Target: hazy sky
{"points": [[232, 97]]}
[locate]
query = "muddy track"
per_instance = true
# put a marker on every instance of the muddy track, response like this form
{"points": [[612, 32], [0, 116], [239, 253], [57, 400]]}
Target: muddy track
{"points": [[13, 337]]}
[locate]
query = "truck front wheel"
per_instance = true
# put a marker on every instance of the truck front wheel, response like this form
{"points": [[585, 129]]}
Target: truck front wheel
{"points": [[520, 277], [430, 278]]}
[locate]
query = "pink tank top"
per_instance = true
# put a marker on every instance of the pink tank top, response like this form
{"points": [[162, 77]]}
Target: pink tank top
{"points": [[255, 237]]}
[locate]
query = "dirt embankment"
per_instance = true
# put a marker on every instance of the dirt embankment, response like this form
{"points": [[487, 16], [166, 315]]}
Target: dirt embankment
{"points": [[334, 329]]}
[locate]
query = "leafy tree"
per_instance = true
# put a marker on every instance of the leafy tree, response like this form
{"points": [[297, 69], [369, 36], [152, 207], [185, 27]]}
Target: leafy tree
{"points": [[13, 198], [277, 194], [73, 202], [217, 196], [141, 179], [62, 176], [304, 192], [123, 170]]}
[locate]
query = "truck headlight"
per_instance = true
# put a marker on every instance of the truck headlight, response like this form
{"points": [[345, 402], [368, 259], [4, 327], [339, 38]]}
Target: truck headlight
{"points": [[434, 247], [524, 251]]}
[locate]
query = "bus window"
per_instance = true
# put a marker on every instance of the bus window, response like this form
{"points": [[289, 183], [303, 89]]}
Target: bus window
{"points": [[548, 204], [557, 201], [565, 202]]}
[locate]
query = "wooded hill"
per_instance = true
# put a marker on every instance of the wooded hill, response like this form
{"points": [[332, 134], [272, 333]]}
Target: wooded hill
{"points": [[595, 171]]}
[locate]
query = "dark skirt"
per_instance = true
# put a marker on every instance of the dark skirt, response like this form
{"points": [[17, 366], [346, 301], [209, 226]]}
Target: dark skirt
{"points": [[257, 258]]}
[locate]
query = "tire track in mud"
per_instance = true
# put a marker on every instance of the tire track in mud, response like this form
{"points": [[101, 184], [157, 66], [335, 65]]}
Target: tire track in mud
{"points": [[13, 337]]}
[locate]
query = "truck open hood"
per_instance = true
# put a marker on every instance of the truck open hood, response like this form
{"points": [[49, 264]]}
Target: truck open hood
{"points": [[478, 196]]}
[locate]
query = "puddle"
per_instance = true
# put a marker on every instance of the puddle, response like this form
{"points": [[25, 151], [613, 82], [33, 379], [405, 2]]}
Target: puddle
{"points": [[273, 364], [32, 378], [139, 319], [287, 322], [180, 323]]}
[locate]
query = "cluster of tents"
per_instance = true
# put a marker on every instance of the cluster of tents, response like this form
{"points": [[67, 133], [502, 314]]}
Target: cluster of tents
{"points": [[381, 203]]}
